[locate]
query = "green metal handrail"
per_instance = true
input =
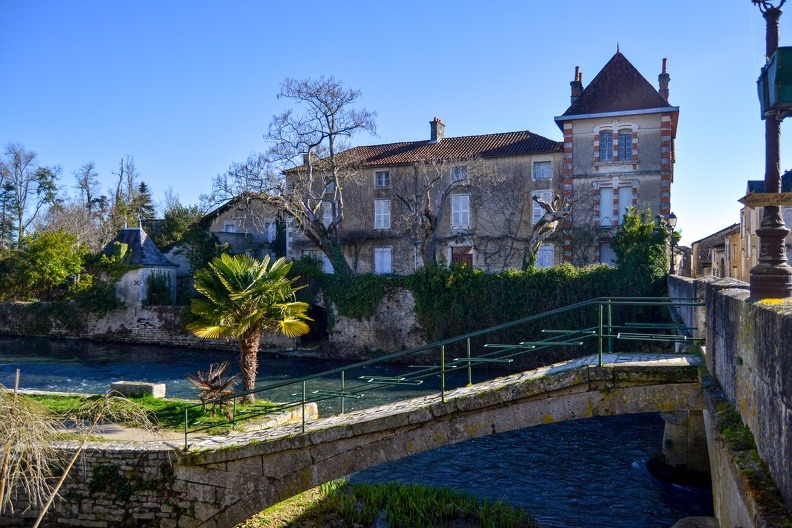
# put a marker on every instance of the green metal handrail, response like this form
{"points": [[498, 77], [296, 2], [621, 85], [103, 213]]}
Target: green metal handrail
{"points": [[605, 332]]}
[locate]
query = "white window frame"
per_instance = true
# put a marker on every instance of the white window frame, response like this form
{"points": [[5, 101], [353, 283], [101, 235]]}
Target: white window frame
{"points": [[383, 260], [271, 231], [606, 146], [459, 174], [624, 205], [539, 175], [606, 207], [327, 214], [460, 211], [382, 214], [625, 148], [382, 179], [230, 226], [545, 257], [537, 211]]}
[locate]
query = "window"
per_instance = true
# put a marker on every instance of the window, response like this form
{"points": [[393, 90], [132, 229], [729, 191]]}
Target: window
{"points": [[383, 262], [625, 145], [270, 231], [319, 256], [382, 211], [538, 211], [462, 255], [542, 170], [607, 256], [458, 174], [382, 179], [606, 206], [229, 226], [327, 214], [545, 258], [460, 210], [606, 145], [625, 201]]}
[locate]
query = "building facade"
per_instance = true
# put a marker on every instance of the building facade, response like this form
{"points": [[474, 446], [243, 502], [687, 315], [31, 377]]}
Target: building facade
{"points": [[465, 200], [618, 153]]}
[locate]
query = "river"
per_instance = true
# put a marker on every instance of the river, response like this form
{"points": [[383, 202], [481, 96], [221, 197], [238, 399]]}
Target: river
{"points": [[588, 473]]}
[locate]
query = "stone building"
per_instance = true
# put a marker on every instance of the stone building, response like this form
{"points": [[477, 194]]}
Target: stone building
{"points": [[470, 199], [618, 153], [250, 224], [750, 221], [148, 262], [718, 255], [476, 189]]}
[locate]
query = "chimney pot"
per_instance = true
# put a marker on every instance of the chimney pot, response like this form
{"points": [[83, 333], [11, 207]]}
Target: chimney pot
{"points": [[436, 130], [576, 85], [663, 79]]}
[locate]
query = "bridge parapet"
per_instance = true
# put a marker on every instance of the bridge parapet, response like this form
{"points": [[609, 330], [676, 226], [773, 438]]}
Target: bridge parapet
{"points": [[748, 350]]}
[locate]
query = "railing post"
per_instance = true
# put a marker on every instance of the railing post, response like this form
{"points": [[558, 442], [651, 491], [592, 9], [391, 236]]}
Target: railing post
{"points": [[233, 416], [186, 445], [470, 365], [599, 335], [343, 399], [610, 329], [442, 373], [303, 406]]}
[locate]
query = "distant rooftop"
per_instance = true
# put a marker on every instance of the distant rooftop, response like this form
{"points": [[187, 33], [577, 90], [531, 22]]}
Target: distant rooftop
{"points": [[142, 250]]}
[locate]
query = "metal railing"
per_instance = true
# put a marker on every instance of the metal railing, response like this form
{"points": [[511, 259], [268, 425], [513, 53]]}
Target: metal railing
{"points": [[599, 328]]}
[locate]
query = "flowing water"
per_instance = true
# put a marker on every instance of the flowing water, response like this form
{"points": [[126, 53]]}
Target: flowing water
{"points": [[588, 473]]}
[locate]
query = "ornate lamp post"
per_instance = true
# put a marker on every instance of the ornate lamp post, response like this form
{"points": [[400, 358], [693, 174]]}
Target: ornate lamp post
{"points": [[772, 277]]}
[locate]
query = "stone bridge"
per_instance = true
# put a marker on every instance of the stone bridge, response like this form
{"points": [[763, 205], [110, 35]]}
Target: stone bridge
{"points": [[221, 481]]}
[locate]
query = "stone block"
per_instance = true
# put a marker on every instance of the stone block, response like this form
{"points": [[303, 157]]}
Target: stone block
{"points": [[138, 388]]}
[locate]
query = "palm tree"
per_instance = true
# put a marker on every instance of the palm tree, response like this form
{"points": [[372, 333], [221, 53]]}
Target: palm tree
{"points": [[244, 297]]}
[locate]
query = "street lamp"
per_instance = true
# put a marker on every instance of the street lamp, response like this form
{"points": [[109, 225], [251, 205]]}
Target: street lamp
{"points": [[672, 222], [771, 277]]}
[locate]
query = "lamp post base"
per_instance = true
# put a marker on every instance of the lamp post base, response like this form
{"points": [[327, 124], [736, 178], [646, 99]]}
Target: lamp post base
{"points": [[771, 282]]}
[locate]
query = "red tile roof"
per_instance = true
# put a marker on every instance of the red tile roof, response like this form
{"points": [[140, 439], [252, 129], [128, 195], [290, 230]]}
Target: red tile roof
{"points": [[618, 87], [466, 147]]}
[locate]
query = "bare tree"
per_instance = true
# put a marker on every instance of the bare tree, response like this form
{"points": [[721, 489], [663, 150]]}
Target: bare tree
{"points": [[309, 161], [504, 230], [26, 188], [427, 196], [89, 187]]}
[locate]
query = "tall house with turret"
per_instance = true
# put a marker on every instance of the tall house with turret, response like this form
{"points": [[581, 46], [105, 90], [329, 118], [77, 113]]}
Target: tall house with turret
{"points": [[619, 136]]}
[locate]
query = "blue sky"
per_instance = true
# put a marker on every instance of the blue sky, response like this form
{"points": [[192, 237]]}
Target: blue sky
{"points": [[187, 88]]}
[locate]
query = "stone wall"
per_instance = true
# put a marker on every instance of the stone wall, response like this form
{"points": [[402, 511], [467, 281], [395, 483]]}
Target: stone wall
{"points": [[391, 328], [749, 354], [119, 484]]}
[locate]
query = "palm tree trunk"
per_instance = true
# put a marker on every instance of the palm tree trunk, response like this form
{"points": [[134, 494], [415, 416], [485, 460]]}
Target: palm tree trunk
{"points": [[248, 361]]}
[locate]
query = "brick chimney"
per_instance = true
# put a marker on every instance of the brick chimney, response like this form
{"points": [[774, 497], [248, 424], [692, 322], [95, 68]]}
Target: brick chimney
{"points": [[663, 79], [576, 85], [436, 130]]}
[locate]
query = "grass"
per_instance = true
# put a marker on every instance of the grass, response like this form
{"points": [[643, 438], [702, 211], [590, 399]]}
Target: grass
{"points": [[166, 413], [339, 503]]}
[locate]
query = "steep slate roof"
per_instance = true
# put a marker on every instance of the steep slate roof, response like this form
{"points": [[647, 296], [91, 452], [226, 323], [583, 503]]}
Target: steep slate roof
{"points": [[466, 147], [758, 186], [618, 87], [142, 250]]}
